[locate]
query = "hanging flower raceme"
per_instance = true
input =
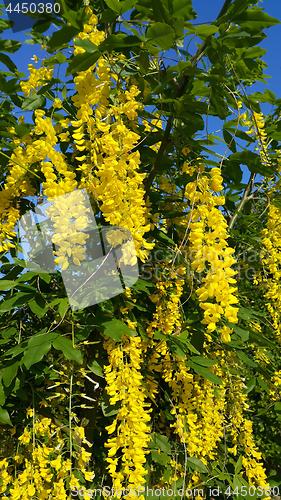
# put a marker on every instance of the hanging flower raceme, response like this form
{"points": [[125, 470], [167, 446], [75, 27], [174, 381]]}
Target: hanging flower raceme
{"points": [[36, 79], [127, 449], [272, 264], [105, 135], [69, 217], [43, 471], [211, 257], [257, 132]]}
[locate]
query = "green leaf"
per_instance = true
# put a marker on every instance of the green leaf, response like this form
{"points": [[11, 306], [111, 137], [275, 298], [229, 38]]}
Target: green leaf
{"points": [[115, 329], [263, 385], [204, 372], [251, 384], [61, 37], [9, 46], [9, 372], [65, 345], [60, 58], [161, 35], [119, 41], [241, 355], [277, 407], [6, 284], [203, 361], [245, 313], [260, 339], [107, 409], [183, 10], [243, 334], [38, 306], [87, 45], [205, 30], [267, 96], [96, 368], [7, 333], [2, 394], [255, 19], [160, 458], [21, 130], [63, 306], [196, 464], [8, 62], [76, 19], [238, 465], [38, 346], [158, 335], [120, 6], [161, 236], [143, 60], [108, 16], [17, 300], [176, 347], [160, 442], [252, 160], [4, 417], [82, 62], [33, 101], [197, 338]]}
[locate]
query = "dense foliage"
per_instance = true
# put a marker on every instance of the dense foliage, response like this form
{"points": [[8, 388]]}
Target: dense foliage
{"points": [[173, 382]]}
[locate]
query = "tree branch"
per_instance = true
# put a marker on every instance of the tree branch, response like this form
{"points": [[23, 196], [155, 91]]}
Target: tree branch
{"points": [[243, 201], [179, 92]]}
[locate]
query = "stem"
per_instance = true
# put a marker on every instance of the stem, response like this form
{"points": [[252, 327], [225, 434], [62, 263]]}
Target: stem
{"points": [[70, 419], [243, 201], [179, 92]]}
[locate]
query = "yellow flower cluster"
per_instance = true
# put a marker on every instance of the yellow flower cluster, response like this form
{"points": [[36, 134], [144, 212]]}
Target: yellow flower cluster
{"points": [[260, 135], [166, 319], [55, 169], [36, 79], [105, 137], [255, 471], [69, 217], [167, 315], [124, 384], [210, 254], [42, 469], [17, 185], [198, 413], [272, 265], [241, 432]]}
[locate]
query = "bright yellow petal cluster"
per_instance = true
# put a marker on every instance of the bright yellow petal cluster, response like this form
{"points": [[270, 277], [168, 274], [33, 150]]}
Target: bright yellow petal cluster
{"points": [[211, 258], [36, 76], [132, 432]]}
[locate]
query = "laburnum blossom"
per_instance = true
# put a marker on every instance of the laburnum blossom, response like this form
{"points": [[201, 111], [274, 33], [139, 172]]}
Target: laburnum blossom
{"points": [[36, 78], [130, 428], [211, 256]]}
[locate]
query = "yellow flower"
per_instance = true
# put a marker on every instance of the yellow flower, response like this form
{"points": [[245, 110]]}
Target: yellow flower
{"points": [[225, 334], [25, 437], [29, 412], [31, 490], [57, 103]]}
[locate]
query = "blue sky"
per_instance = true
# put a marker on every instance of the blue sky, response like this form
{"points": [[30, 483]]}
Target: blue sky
{"points": [[207, 11]]}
